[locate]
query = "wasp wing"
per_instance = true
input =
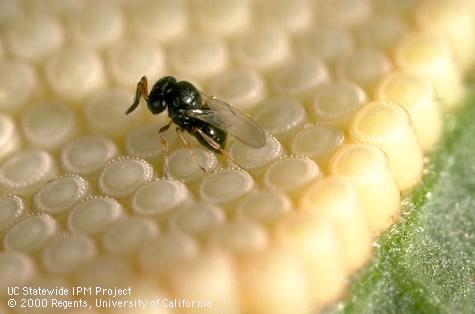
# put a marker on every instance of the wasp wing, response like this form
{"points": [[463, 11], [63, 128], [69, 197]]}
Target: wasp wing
{"points": [[229, 119]]}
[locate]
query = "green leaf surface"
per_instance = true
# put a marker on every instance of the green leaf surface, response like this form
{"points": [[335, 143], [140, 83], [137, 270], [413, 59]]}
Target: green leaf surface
{"points": [[426, 262]]}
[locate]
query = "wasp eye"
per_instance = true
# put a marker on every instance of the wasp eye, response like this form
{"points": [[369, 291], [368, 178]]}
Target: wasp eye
{"points": [[157, 106]]}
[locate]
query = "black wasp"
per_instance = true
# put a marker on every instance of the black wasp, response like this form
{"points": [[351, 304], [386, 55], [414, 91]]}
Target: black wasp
{"points": [[205, 117]]}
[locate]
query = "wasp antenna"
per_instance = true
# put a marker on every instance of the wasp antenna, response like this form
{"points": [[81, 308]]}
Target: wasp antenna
{"points": [[140, 91], [133, 107]]}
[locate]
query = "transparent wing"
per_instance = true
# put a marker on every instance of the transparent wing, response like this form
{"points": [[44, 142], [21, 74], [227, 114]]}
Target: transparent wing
{"points": [[231, 120]]}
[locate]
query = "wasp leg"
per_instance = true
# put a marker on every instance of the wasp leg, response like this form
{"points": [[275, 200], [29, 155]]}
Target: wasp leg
{"points": [[215, 145], [188, 145], [164, 144], [165, 127], [141, 91]]}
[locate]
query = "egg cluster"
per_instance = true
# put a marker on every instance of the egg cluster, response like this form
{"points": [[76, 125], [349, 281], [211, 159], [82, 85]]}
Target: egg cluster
{"points": [[351, 94]]}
